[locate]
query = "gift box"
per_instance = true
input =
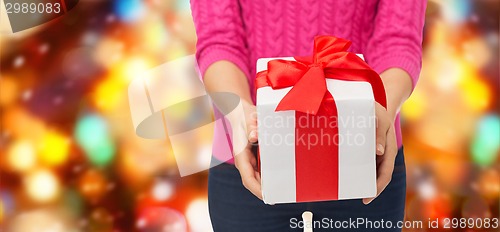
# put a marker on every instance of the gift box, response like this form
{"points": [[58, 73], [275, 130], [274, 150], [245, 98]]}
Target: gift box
{"points": [[316, 125]]}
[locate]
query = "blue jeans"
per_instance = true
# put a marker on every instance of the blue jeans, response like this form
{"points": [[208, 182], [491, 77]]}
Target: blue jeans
{"points": [[233, 208]]}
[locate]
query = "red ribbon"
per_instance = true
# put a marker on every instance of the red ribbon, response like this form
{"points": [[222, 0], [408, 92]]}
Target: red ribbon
{"points": [[307, 75], [317, 166]]}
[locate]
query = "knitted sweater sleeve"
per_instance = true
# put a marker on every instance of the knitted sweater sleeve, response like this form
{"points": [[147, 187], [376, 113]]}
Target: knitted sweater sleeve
{"points": [[220, 32], [397, 38]]}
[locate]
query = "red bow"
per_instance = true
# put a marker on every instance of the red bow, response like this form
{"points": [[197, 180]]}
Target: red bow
{"points": [[330, 60]]}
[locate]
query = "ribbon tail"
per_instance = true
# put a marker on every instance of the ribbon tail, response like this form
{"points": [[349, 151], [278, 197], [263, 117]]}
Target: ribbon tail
{"points": [[349, 67], [378, 89], [320, 159], [364, 71]]}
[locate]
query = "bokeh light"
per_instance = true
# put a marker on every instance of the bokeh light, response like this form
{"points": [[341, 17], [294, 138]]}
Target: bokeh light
{"points": [[161, 219], [100, 220], [456, 11], [476, 93], [108, 52], [8, 91], [414, 107], [22, 155], [438, 207], [155, 34], [488, 184], [52, 220], [129, 10], [42, 185], [130, 69], [93, 185], [110, 93], [54, 148], [162, 190], [486, 143], [92, 135], [197, 215]]}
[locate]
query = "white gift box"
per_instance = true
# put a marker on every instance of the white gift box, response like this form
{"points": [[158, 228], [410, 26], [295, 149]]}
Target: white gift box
{"points": [[356, 144]]}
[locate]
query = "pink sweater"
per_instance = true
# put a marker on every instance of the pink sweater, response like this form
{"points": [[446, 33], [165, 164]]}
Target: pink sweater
{"points": [[387, 32]]}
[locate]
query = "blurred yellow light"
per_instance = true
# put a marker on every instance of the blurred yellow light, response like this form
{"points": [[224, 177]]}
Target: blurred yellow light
{"points": [[54, 148], [155, 36], [414, 107], [130, 68], [21, 155], [476, 93], [41, 185], [109, 94], [135, 67]]}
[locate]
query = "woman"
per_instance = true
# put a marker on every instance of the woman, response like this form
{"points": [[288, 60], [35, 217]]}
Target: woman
{"points": [[233, 34]]}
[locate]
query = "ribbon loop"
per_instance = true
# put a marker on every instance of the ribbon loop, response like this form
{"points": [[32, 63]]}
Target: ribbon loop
{"points": [[294, 99], [277, 68]]}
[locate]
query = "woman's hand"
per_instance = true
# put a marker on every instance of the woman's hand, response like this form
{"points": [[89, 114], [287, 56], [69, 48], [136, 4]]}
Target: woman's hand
{"points": [[224, 76], [245, 161], [386, 149], [398, 86]]}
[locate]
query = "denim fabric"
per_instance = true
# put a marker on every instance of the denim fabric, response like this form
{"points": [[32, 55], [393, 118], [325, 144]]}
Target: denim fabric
{"points": [[234, 209]]}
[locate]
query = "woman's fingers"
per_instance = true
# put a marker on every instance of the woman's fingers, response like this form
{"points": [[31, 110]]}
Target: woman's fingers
{"points": [[250, 178], [250, 181], [252, 126], [245, 162], [391, 146], [384, 177], [257, 177], [386, 167], [383, 124], [252, 136]]}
